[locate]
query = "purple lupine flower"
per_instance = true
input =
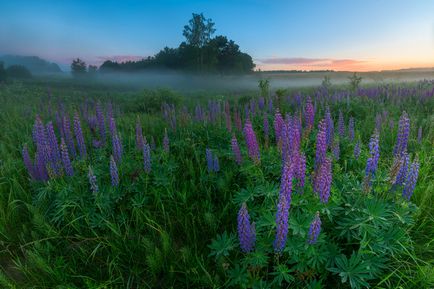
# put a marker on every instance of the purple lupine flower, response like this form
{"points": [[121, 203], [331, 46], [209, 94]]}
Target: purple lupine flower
{"points": [[321, 144], [166, 141], [341, 125], [270, 105], [314, 229], [419, 135], [281, 224], [42, 147], [329, 127], [40, 168], [100, 121], [278, 125], [309, 114], [209, 160], [92, 181], [28, 162], [403, 132], [402, 173], [374, 150], [117, 148], [112, 126], [266, 127], [286, 181], [79, 136], [246, 232], [410, 182], [323, 181], [301, 172], [357, 150], [147, 158], [54, 152], [351, 129], [252, 143], [114, 172], [65, 159], [236, 150], [139, 135], [68, 136], [216, 166], [336, 150]]}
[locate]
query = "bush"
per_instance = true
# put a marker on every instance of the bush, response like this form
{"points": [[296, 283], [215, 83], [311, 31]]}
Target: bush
{"points": [[18, 72]]}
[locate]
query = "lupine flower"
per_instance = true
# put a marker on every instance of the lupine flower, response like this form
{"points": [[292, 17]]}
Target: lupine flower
{"points": [[286, 181], [40, 168], [112, 126], [246, 232], [236, 150], [114, 172], [403, 132], [351, 129], [166, 141], [65, 158], [147, 158], [374, 150], [68, 136], [270, 105], [28, 162], [321, 144], [404, 162], [314, 229], [410, 182], [54, 152], [281, 224], [252, 143], [419, 135], [79, 136], [341, 125], [92, 181], [278, 125], [329, 127], [209, 160], [309, 113], [301, 172], [357, 150], [117, 148], [100, 121], [323, 181], [336, 150], [139, 134], [216, 166]]}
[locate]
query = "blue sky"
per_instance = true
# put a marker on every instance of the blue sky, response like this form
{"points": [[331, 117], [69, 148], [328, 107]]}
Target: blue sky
{"points": [[355, 35]]}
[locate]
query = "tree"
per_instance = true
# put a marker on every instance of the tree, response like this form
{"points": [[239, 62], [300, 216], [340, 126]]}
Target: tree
{"points": [[78, 67], [3, 74], [18, 71], [355, 81]]}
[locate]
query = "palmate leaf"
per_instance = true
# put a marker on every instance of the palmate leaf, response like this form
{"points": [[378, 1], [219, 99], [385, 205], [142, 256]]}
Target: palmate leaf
{"points": [[355, 270], [257, 258], [282, 273], [222, 245], [238, 276]]}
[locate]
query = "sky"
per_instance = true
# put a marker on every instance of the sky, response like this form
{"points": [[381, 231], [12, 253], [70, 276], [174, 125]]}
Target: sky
{"points": [[308, 35]]}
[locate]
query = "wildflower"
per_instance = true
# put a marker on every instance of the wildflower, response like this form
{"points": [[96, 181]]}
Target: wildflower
{"points": [[147, 158], [236, 150], [79, 136], [209, 160], [114, 172], [166, 141], [410, 182], [403, 132], [321, 144], [65, 158], [336, 150], [286, 181], [28, 162], [92, 181], [341, 125], [374, 150], [329, 127], [281, 223], [252, 143], [404, 161], [68, 136], [117, 147], [323, 181], [246, 231], [309, 113], [314, 229], [357, 150], [100, 121], [351, 129]]}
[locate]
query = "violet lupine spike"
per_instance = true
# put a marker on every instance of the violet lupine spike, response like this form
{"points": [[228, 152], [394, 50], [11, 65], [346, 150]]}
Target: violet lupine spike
{"points": [[403, 132], [114, 172], [336, 150], [101, 122], [314, 229], [419, 135], [54, 151], [79, 136], [65, 159], [374, 150], [28, 162], [209, 160], [286, 181], [216, 166], [329, 127], [301, 172], [41, 173], [252, 143], [281, 224], [411, 180], [341, 125], [112, 126], [402, 173], [68, 136], [270, 105], [92, 181], [323, 181], [147, 158], [321, 144], [309, 113], [236, 150], [246, 232], [278, 125], [117, 148], [166, 141], [357, 150], [351, 129]]}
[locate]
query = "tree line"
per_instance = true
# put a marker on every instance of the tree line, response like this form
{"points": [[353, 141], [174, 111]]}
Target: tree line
{"points": [[200, 52]]}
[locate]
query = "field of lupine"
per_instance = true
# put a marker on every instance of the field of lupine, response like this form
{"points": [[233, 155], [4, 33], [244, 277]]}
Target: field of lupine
{"points": [[101, 187]]}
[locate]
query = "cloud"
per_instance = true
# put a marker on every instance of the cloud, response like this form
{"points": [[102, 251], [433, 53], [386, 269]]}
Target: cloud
{"points": [[303, 63]]}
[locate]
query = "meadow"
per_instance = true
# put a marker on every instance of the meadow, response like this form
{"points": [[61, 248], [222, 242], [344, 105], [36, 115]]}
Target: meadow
{"points": [[318, 187]]}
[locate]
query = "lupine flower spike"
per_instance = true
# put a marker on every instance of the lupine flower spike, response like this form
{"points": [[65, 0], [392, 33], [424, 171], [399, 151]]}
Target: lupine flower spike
{"points": [[246, 230], [314, 229]]}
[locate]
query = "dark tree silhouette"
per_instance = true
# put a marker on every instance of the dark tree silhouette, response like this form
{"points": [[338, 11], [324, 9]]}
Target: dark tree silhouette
{"points": [[18, 72], [78, 67]]}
